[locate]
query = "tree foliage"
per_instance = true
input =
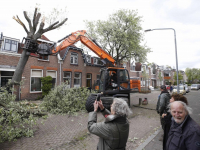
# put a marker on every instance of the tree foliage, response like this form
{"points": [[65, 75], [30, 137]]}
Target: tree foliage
{"points": [[192, 74], [17, 119], [46, 85], [180, 76], [120, 35], [62, 100]]}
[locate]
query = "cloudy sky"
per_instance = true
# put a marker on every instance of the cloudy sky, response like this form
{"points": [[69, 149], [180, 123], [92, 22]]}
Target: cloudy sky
{"points": [[181, 15]]}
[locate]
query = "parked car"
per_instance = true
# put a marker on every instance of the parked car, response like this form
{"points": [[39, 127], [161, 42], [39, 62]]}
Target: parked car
{"points": [[198, 85], [182, 90], [194, 87], [151, 88], [187, 88]]}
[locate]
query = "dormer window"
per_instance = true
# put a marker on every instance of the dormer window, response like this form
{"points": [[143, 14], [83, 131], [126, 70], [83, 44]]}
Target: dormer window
{"points": [[10, 45], [95, 61], [88, 57]]}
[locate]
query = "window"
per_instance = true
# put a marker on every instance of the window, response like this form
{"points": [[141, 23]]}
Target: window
{"points": [[74, 58], [89, 80], [67, 78], [53, 75], [77, 79], [10, 45], [124, 80], [132, 67], [36, 81], [147, 69], [5, 77], [44, 57], [95, 61], [88, 57]]}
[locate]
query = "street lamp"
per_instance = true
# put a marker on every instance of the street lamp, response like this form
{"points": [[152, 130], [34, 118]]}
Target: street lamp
{"points": [[175, 49]]}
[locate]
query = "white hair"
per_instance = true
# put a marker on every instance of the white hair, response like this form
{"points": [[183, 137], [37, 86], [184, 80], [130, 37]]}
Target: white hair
{"points": [[120, 107], [186, 107]]}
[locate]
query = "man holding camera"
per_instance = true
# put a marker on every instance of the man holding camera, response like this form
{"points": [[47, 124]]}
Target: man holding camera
{"points": [[113, 132]]}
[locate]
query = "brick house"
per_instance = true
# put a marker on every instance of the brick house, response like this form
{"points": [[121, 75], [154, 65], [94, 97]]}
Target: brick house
{"points": [[71, 65]]}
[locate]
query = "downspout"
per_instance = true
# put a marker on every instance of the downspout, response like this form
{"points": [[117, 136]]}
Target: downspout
{"points": [[60, 61]]}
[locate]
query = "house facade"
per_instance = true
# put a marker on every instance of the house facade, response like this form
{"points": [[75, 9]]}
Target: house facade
{"points": [[71, 66]]}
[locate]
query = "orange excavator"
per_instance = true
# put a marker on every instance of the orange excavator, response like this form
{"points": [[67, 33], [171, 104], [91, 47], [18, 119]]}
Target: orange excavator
{"points": [[114, 81]]}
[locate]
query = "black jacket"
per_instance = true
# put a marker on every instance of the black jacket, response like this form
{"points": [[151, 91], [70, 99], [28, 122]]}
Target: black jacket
{"points": [[163, 101], [184, 137]]}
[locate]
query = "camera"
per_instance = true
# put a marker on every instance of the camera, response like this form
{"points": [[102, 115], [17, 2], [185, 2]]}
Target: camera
{"points": [[98, 96]]}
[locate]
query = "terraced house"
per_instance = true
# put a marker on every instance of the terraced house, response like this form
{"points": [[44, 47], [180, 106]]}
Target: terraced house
{"points": [[71, 66]]}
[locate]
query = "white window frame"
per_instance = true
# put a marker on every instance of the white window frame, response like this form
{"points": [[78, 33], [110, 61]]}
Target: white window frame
{"points": [[68, 85], [74, 56], [95, 61], [36, 77], [53, 77], [43, 58], [77, 85], [88, 57], [11, 39]]}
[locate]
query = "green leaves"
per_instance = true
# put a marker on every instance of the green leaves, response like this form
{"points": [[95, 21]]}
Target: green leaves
{"points": [[63, 100], [46, 85], [16, 118], [120, 35]]}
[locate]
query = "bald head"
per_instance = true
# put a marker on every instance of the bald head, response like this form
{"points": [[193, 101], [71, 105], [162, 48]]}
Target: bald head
{"points": [[179, 110]]}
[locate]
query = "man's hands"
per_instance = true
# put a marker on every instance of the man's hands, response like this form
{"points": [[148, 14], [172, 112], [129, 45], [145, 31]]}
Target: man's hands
{"points": [[163, 115], [95, 106], [98, 104]]}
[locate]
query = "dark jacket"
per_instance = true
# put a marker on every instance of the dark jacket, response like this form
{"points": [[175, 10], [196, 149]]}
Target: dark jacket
{"points": [[163, 101], [185, 136], [167, 120], [113, 132]]}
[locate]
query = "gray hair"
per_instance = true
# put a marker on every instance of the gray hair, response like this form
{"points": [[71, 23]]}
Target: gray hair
{"points": [[186, 107], [120, 107]]}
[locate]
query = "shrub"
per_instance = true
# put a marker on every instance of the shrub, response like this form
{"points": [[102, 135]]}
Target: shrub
{"points": [[66, 100], [46, 85]]}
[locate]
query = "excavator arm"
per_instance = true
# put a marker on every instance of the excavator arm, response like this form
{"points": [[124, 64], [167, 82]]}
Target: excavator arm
{"points": [[46, 49], [91, 44]]}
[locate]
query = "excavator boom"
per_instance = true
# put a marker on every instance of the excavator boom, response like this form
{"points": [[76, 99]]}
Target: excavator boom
{"points": [[80, 36]]}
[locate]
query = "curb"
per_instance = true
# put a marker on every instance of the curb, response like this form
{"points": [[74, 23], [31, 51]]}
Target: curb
{"points": [[149, 139]]}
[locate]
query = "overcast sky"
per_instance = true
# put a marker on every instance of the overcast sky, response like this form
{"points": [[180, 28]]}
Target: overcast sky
{"points": [[181, 15]]}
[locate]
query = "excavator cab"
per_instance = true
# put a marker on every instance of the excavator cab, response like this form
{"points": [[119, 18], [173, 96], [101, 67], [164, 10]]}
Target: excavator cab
{"points": [[114, 80], [114, 83]]}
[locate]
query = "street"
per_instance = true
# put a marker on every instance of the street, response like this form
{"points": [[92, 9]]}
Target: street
{"points": [[194, 103]]}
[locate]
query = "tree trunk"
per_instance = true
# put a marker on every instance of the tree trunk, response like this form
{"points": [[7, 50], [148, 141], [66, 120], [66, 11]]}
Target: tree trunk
{"points": [[20, 68]]}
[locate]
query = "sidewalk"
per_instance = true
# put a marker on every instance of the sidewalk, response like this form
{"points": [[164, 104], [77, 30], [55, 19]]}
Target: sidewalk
{"points": [[152, 143]]}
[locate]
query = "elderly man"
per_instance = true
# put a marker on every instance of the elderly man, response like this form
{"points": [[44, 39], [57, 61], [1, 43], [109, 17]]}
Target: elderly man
{"points": [[113, 132], [184, 133]]}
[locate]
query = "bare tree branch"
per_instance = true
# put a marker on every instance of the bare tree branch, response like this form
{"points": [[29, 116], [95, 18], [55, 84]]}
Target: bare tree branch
{"points": [[21, 23], [52, 27], [28, 20], [35, 13]]}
